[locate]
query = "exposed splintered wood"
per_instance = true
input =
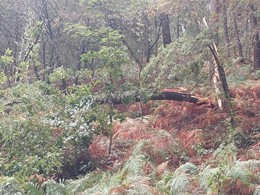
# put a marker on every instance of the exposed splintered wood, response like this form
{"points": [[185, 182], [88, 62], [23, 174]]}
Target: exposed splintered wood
{"points": [[164, 95]]}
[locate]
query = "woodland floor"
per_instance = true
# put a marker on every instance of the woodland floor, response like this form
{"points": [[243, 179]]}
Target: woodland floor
{"points": [[194, 132]]}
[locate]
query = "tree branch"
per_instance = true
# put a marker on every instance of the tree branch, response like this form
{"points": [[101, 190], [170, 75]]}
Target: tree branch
{"points": [[165, 95]]}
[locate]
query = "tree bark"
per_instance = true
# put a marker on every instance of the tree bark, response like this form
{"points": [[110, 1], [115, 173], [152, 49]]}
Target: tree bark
{"points": [[225, 27], [253, 19], [239, 45], [213, 21], [257, 52], [164, 95], [166, 32], [178, 27], [222, 80]]}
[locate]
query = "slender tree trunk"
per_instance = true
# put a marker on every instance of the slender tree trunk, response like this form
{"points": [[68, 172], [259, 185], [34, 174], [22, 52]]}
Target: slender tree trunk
{"points": [[239, 45], [214, 19], [36, 72], [256, 40], [225, 27], [178, 27], [213, 25], [166, 32], [222, 80], [156, 33], [43, 58], [64, 86], [111, 131], [257, 52]]}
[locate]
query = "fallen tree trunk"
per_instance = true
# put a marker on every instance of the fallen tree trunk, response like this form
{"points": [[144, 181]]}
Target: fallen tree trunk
{"points": [[164, 95], [131, 97]]}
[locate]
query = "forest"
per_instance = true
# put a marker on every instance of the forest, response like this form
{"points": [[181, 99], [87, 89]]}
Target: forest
{"points": [[130, 97]]}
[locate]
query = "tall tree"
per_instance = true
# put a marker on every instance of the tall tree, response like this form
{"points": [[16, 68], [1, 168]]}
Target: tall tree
{"points": [[213, 25], [166, 32], [253, 19], [238, 42], [225, 26]]}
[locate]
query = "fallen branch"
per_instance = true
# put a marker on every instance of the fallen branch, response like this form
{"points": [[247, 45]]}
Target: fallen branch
{"points": [[129, 97]]}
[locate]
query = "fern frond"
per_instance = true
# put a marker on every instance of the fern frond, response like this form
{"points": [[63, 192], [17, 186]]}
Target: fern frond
{"points": [[226, 154], [243, 170], [135, 162], [206, 175], [34, 189], [134, 165], [257, 190], [139, 185], [181, 180], [162, 184], [138, 148], [79, 185], [187, 168], [54, 188], [179, 184], [239, 172], [9, 185], [249, 164], [104, 186]]}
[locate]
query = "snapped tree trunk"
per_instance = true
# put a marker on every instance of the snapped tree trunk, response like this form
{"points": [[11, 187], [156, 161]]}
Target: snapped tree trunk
{"points": [[222, 79], [213, 21]]}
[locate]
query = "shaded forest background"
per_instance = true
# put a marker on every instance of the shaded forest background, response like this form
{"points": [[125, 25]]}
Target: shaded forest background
{"points": [[81, 84]]}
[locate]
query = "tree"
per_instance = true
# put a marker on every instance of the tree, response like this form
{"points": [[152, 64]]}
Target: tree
{"points": [[238, 42], [256, 42], [213, 25], [225, 27], [166, 33]]}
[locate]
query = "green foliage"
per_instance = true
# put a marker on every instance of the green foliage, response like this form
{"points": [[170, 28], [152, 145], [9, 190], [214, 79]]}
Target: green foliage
{"points": [[33, 189], [228, 169], [27, 155], [180, 181], [257, 190], [40, 130], [9, 185], [60, 73], [211, 179], [3, 77], [7, 59], [256, 74], [181, 62]]}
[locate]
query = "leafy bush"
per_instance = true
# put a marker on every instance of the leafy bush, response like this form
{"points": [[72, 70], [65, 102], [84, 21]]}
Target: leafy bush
{"points": [[40, 129]]}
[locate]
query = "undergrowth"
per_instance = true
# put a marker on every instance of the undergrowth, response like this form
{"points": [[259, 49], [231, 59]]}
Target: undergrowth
{"points": [[178, 149]]}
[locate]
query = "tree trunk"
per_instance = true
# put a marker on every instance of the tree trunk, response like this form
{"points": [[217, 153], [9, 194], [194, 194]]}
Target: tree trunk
{"points": [[213, 21], [225, 27], [239, 45], [257, 52], [166, 32], [253, 20], [178, 27], [222, 80], [164, 95], [64, 86]]}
